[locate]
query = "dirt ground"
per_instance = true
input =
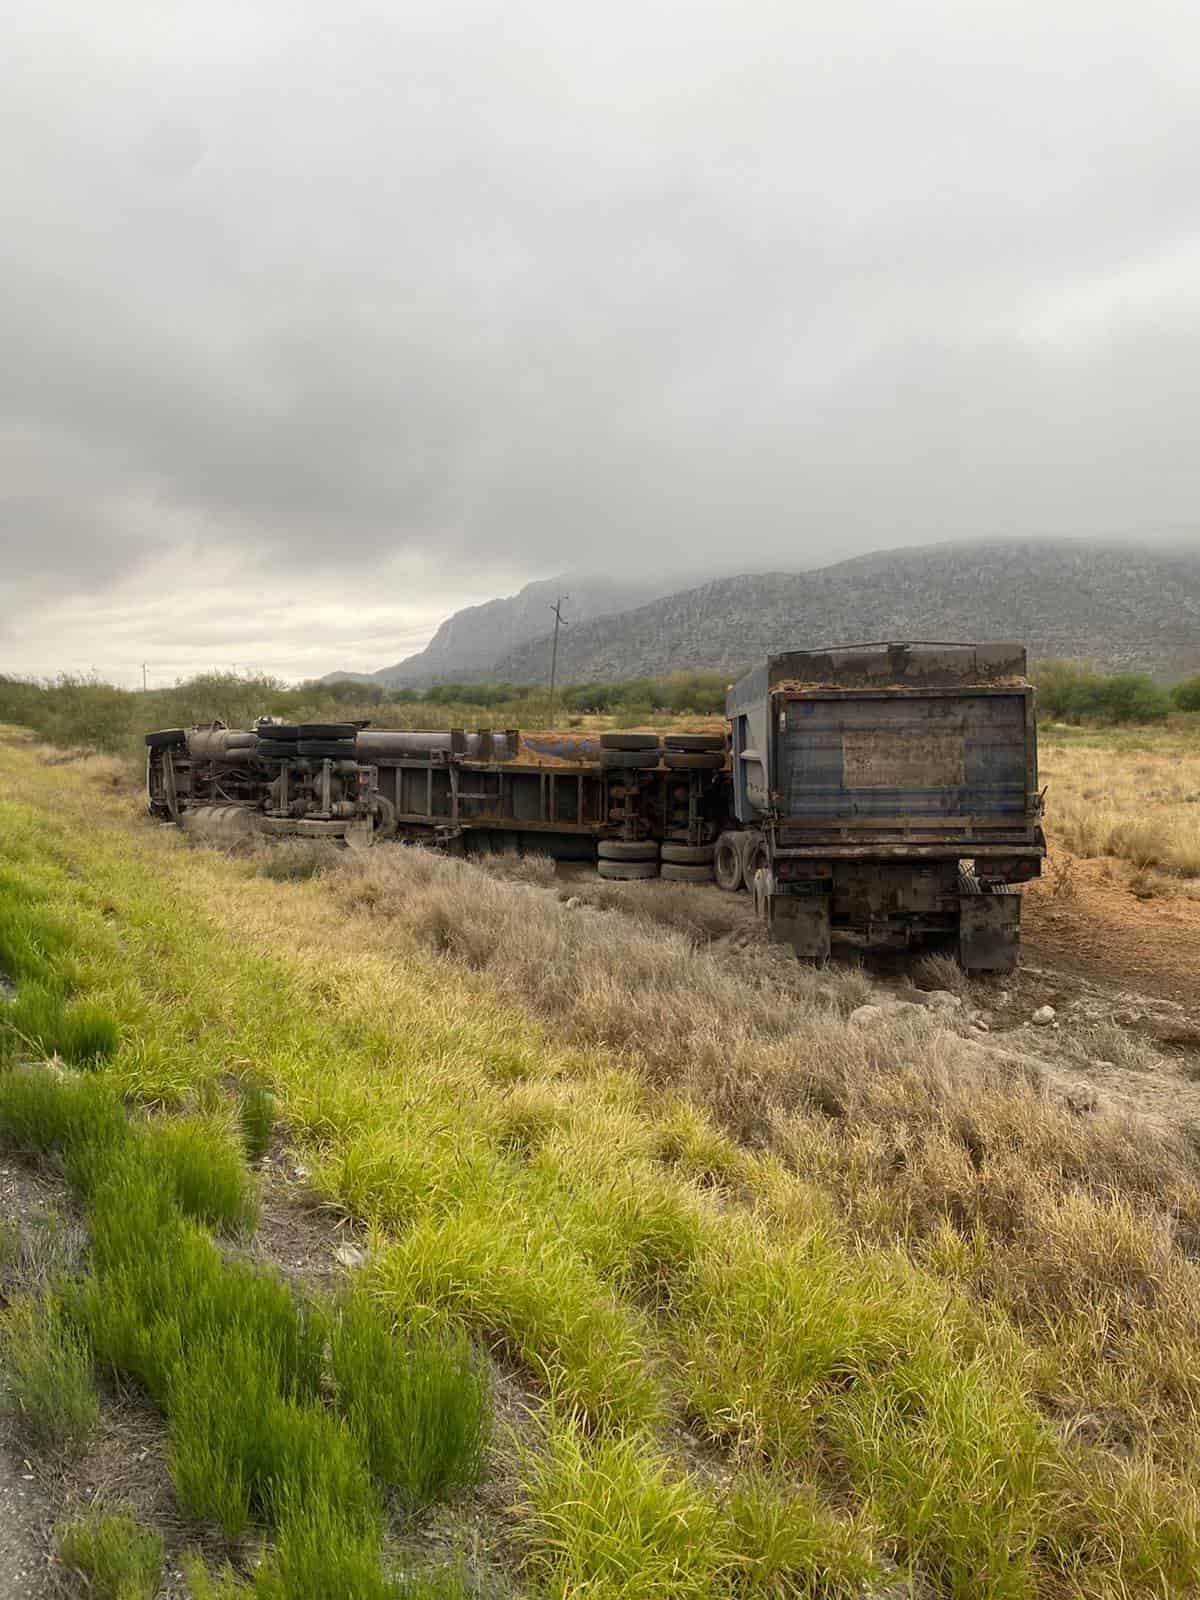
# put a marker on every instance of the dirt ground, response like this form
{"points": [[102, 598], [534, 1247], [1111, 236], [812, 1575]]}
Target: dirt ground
{"points": [[1099, 928]]}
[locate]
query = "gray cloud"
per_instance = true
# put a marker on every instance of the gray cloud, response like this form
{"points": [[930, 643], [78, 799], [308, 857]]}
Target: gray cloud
{"points": [[417, 304]]}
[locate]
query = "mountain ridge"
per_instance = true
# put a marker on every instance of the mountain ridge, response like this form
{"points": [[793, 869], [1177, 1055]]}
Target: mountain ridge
{"points": [[1123, 606], [470, 641]]}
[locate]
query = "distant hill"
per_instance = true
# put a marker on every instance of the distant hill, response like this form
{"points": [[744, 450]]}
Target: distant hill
{"points": [[1123, 607], [468, 644]]}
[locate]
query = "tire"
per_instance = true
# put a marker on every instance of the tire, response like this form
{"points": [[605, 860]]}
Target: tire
{"points": [[694, 760], [728, 862], [327, 730], [754, 856], [679, 872], [695, 741], [270, 750], [278, 731], [335, 749], [166, 739], [627, 850], [626, 870], [688, 855], [629, 760], [629, 741]]}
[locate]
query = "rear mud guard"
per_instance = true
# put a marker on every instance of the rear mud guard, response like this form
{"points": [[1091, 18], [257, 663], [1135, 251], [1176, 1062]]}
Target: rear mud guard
{"points": [[989, 928], [801, 921]]}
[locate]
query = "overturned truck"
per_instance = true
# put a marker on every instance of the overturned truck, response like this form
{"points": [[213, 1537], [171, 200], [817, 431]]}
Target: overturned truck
{"points": [[884, 793]]}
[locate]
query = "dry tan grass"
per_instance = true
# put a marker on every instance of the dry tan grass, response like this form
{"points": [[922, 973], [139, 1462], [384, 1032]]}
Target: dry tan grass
{"points": [[908, 1123], [1142, 806]]}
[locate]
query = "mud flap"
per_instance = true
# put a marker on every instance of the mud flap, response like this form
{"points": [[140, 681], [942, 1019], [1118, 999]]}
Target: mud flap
{"points": [[989, 929], [801, 921]]}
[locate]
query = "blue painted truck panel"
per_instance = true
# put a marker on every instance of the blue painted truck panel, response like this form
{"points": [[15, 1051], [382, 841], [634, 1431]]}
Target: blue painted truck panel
{"points": [[922, 758]]}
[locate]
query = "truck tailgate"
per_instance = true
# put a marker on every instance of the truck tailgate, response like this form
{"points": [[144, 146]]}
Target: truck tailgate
{"points": [[911, 759]]}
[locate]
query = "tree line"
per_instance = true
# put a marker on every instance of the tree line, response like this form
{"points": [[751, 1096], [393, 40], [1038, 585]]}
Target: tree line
{"points": [[72, 711]]}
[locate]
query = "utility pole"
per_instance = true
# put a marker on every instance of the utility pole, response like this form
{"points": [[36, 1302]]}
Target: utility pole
{"points": [[143, 677], [558, 623]]}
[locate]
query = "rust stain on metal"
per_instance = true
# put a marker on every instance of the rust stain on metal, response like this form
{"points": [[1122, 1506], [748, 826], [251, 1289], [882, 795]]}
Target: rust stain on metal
{"points": [[927, 759]]}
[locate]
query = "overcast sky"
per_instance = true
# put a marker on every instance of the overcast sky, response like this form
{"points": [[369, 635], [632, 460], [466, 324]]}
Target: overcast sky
{"points": [[319, 321]]}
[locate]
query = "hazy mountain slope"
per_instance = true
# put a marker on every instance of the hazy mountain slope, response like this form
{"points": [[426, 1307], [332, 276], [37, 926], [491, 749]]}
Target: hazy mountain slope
{"points": [[1123, 607], [469, 642]]}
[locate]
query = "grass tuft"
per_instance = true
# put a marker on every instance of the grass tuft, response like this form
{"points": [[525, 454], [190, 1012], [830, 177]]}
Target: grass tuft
{"points": [[116, 1557], [420, 1405], [48, 1373], [239, 1450], [205, 1172], [256, 1114]]}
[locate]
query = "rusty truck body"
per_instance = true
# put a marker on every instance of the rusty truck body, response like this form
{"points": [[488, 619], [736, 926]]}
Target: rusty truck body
{"points": [[883, 793]]}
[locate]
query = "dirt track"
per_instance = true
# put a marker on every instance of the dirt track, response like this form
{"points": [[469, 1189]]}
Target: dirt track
{"points": [[1100, 930]]}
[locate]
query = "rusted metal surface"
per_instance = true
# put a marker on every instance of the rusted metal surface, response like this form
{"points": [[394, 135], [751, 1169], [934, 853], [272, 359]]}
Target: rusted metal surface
{"points": [[924, 760], [899, 667]]}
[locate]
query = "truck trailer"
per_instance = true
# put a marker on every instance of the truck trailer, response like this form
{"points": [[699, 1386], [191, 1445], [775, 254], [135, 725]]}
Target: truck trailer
{"points": [[883, 793]]}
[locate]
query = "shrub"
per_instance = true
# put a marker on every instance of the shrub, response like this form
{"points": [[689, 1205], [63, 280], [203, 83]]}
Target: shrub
{"points": [[118, 1559], [1186, 695], [48, 1372], [420, 1405], [1070, 691]]}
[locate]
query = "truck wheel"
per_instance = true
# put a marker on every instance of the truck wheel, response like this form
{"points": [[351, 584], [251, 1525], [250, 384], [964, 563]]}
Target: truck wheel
{"points": [[627, 850], [688, 855], [630, 760], [165, 739], [727, 862], [629, 741], [694, 760], [627, 869], [694, 741], [678, 872]]}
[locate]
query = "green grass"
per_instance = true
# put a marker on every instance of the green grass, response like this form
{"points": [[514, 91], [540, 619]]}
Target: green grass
{"points": [[639, 1270], [241, 1451], [116, 1558], [611, 1518], [205, 1170], [236, 1361], [256, 1115], [47, 1366], [420, 1405]]}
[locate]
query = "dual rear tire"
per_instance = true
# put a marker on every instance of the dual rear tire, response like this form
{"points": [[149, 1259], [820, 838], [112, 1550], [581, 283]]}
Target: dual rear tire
{"points": [[627, 860], [738, 857]]}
